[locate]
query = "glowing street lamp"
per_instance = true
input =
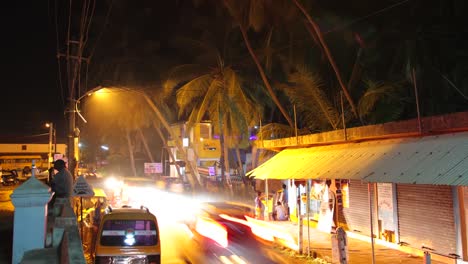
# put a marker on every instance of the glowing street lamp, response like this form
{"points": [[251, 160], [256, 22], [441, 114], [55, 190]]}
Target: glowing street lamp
{"points": [[104, 147], [89, 93], [179, 145], [52, 140]]}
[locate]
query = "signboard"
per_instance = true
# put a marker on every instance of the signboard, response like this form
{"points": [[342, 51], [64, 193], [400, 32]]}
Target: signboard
{"points": [[152, 168], [385, 205], [211, 171], [82, 188]]}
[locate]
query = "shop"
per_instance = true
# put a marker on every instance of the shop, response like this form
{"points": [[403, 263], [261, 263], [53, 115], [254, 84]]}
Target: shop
{"points": [[407, 191]]}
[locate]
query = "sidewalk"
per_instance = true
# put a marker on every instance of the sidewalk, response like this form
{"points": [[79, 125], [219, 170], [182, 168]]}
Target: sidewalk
{"points": [[360, 251]]}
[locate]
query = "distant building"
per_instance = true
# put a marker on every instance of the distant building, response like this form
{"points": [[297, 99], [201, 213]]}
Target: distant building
{"points": [[203, 150], [18, 153]]}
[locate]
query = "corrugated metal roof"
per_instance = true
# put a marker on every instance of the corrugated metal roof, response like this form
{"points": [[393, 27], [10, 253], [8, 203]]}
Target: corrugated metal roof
{"points": [[441, 159]]}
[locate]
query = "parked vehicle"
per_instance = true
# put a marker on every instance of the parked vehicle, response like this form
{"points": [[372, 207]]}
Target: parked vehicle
{"points": [[9, 177], [128, 235]]}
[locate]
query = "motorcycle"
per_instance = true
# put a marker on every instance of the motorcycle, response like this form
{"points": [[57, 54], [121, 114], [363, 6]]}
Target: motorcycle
{"points": [[9, 178]]}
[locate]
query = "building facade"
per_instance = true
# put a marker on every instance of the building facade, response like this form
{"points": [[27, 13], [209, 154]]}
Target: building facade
{"points": [[405, 188]]}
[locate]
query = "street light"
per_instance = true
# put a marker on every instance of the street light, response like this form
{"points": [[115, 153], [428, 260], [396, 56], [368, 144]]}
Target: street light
{"points": [[52, 140], [74, 132], [89, 93], [159, 115]]}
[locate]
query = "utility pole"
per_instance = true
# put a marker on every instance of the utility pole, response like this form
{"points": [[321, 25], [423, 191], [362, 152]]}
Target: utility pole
{"points": [[76, 37], [73, 133], [51, 138]]}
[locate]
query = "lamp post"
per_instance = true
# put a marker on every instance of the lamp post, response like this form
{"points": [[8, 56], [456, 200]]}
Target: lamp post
{"points": [[51, 139], [74, 133]]}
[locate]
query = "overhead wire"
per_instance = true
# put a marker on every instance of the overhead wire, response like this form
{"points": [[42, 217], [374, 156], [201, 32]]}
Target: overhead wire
{"points": [[88, 26], [58, 53], [102, 31], [68, 46], [365, 17]]}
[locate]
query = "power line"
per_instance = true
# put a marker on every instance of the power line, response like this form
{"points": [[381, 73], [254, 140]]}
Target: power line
{"points": [[365, 17], [102, 31], [58, 51]]}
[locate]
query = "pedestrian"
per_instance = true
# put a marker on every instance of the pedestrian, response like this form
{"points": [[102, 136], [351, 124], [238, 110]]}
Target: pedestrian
{"points": [[282, 198], [258, 206], [280, 212], [62, 181], [97, 215]]}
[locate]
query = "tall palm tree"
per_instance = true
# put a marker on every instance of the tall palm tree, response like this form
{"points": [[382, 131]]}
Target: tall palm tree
{"points": [[240, 11], [318, 34], [214, 90]]}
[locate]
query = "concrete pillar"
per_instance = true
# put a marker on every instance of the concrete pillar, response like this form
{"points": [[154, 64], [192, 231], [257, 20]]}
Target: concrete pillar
{"points": [[30, 217]]}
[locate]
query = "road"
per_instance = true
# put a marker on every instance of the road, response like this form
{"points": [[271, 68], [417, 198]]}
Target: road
{"points": [[170, 210], [6, 224]]}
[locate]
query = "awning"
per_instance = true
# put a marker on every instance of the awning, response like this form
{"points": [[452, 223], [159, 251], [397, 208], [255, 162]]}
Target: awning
{"points": [[441, 159]]}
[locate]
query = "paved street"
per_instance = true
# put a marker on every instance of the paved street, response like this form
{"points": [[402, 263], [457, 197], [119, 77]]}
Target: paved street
{"points": [[6, 224], [173, 234]]}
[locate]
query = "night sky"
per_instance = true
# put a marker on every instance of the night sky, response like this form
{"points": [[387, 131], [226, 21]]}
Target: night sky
{"points": [[30, 95], [137, 44]]}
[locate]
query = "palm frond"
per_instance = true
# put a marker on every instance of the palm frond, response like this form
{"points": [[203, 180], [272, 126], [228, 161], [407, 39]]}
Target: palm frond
{"points": [[187, 94], [381, 101], [180, 75], [305, 91], [274, 130], [256, 14]]}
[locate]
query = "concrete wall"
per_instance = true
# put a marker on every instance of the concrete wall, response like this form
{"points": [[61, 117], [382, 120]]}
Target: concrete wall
{"points": [[429, 125], [30, 148]]}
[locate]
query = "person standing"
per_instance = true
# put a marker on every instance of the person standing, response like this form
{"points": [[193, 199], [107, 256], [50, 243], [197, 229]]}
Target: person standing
{"points": [[62, 182], [283, 199], [96, 218], [258, 206]]}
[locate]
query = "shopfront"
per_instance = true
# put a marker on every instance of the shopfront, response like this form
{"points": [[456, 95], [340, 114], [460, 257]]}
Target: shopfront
{"points": [[410, 185]]}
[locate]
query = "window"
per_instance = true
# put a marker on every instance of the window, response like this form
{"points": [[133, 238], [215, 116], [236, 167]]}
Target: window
{"points": [[123, 233], [205, 131], [24, 147]]}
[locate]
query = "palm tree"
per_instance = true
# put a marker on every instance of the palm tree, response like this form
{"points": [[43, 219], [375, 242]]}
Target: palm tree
{"points": [[214, 90], [240, 10], [382, 102], [305, 90], [318, 34]]}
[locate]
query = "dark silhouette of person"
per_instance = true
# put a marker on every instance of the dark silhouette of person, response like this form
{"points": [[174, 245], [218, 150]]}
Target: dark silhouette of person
{"points": [[62, 182]]}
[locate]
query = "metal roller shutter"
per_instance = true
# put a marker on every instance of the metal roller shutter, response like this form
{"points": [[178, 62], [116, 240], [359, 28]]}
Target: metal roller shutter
{"points": [[356, 217], [426, 217]]}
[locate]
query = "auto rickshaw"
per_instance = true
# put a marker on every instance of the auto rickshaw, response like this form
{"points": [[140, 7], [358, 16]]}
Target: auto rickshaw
{"points": [[86, 218]]}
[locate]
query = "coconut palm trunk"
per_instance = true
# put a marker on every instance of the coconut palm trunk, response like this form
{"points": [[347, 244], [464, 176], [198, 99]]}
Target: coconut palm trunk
{"points": [[145, 144], [130, 151], [225, 168], [169, 152], [194, 177], [319, 35], [264, 77]]}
